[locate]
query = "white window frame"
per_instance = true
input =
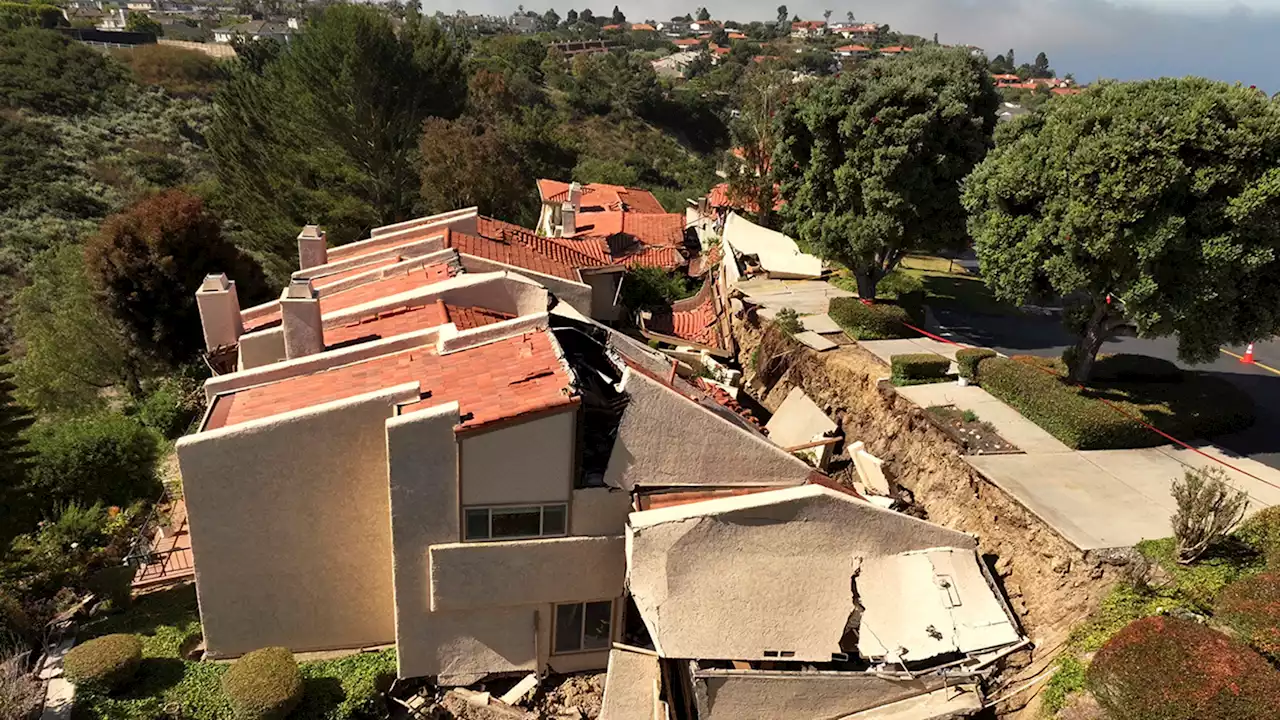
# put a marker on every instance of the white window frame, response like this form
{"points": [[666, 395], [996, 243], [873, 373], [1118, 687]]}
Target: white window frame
{"points": [[582, 631], [542, 521]]}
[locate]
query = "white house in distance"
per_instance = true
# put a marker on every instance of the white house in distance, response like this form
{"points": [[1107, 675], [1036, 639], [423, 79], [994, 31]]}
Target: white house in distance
{"points": [[258, 30]]}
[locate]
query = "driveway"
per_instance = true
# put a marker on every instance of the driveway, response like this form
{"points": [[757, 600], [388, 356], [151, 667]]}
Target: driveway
{"points": [[1037, 335]]}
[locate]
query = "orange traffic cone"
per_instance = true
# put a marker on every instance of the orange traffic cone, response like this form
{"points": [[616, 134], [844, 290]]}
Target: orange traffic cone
{"points": [[1248, 355]]}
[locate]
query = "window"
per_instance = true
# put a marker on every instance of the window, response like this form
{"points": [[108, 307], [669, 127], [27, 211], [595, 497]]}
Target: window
{"points": [[583, 626], [509, 523]]}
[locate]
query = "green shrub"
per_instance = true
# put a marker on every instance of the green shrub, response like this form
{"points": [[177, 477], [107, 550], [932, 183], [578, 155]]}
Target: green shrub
{"points": [[169, 408], [106, 458], [1079, 422], [967, 360], [16, 628], [1067, 680], [870, 322], [1163, 668], [1251, 607], [1127, 367], [645, 288], [1261, 532], [115, 584], [263, 685], [105, 663], [788, 321], [918, 368]]}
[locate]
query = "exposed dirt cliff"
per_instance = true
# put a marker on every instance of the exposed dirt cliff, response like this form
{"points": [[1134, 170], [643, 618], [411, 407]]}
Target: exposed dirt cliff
{"points": [[1051, 584]]}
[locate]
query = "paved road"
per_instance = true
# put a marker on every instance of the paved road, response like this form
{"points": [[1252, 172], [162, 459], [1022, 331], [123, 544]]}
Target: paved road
{"points": [[1033, 335]]}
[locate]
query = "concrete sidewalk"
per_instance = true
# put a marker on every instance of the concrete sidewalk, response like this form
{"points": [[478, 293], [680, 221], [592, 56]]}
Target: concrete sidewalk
{"points": [[1096, 499], [886, 349]]}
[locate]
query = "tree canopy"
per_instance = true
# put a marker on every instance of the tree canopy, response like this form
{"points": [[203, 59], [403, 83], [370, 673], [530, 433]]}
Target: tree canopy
{"points": [[43, 71], [870, 162], [1154, 203], [325, 133]]}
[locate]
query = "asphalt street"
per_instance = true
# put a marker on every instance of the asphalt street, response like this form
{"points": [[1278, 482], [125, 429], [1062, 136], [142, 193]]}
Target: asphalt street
{"points": [[1034, 335]]}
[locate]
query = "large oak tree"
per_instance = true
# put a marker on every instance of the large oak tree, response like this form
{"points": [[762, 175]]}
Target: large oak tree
{"points": [[1153, 203], [871, 162]]}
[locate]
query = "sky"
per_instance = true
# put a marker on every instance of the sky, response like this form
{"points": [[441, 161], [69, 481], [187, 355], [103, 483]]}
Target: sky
{"points": [[1231, 40]]}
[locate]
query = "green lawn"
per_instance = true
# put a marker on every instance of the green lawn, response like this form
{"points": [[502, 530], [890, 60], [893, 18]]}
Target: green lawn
{"points": [[947, 285], [169, 686]]}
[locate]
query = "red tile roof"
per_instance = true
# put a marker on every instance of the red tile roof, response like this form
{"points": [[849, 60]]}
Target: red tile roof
{"points": [[1066, 91], [808, 24], [895, 49], [642, 26], [599, 196], [611, 27], [725, 400], [367, 292], [693, 319], [702, 264], [686, 42], [737, 36], [335, 277], [491, 382], [387, 324], [721, 197], [468, 317], [524, 250], [853, 48]]}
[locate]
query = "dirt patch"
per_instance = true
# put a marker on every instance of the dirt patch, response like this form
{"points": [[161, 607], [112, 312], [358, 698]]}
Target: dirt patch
{"points": [[569, 694], [1051, 585], [967, 429]]}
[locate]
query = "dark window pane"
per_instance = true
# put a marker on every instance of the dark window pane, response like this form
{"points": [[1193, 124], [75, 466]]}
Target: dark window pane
{"points": [[568, 628], [599, 618], [516, 522], [553, 520], [477, 525]]}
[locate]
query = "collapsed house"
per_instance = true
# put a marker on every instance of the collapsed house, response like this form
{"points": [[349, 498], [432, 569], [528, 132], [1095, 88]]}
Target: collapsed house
{"points": [[426, 444]]}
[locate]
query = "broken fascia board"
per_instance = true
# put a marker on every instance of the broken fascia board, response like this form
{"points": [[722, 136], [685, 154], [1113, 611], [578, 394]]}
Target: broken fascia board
{"points": [[965, 616]]}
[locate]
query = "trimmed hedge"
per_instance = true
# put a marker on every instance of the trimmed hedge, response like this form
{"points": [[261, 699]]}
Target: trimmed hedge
{"points": [[104, 663], [263, 685], [881, 321], [967, 360], [919, 368], [1078, 421], [1127, 367], [1251, 607], [1163, 668]]}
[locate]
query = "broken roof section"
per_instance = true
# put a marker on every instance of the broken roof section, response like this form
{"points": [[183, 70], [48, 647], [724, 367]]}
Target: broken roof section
{"points": [[778, 255], [808, 574], [598, 197], [700, 322]]}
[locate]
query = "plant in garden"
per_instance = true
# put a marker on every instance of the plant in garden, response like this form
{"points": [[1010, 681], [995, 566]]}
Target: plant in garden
{"points": [[15, 498], [870, 162], [264, 684], [1150, 203], [104, 458], [105, 663], [1208, 508], [1251, 607], [788, 321], [1163, 668], [967, 361], [21, 693], [1261, 532]]}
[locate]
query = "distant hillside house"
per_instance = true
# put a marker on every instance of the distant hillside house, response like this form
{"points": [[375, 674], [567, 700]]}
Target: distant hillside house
{"points": [[257, 30], [808, 28], [858, 32], [853, 51], [523, 24], [895, 50]]}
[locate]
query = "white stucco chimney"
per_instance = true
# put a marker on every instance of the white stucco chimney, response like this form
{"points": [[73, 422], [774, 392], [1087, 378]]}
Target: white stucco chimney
{"points": [[312, 247], [568, 220], [300, 320], [219, 312], [575, 195]]}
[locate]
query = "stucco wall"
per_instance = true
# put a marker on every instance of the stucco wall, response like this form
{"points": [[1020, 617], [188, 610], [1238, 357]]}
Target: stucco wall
{"points": [[662, 440], [780, 563], [261, 348], [604, 288], [288, 519], [575, 294], [526, 572], [631, 689], [530, 462], [599, 511], [733, 695]]}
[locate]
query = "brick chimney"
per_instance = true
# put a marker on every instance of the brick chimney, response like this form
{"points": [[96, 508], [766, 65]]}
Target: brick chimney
{"points": [[568, 220], [219, 312], [300, 319], [575, 195], [312, 249]]}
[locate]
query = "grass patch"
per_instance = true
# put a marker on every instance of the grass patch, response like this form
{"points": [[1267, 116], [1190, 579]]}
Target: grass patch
{"points": [[961, 292], [166, 686], [1199, 583], [1067, 680]]}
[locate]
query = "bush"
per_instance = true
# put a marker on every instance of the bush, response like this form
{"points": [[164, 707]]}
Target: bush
{"points": [[16, 628], [21, 693], [1251, 607], [104, 664], [967, 360], [1162, 668], [106, 458], [264, 684], [870, 322], [788, 321], [1261, 532], [1127, 367], [114, 584], [1208, 508], [169, 408], [1077, 421], [180, 72], [646, 288], [919, 368]]}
